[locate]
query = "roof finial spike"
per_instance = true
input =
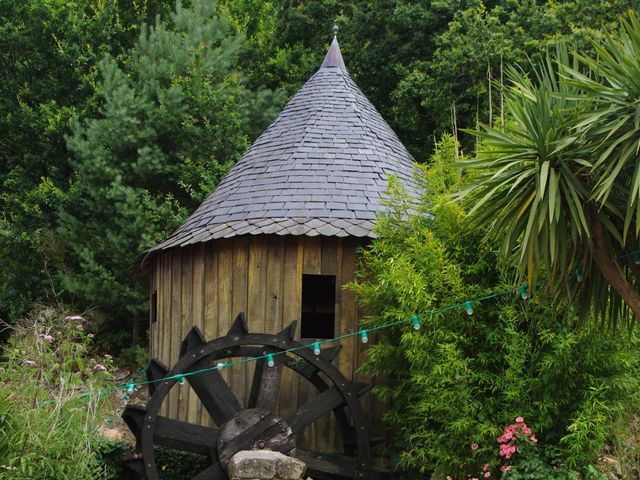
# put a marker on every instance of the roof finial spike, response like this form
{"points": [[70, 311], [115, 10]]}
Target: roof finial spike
{"points": [[333, 58]]}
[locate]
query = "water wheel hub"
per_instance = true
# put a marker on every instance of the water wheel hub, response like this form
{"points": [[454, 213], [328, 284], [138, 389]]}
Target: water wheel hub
{"points": [[251, 429]]}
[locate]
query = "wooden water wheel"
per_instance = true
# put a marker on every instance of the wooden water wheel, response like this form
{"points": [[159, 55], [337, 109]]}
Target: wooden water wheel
{"points": [[258, 423]]}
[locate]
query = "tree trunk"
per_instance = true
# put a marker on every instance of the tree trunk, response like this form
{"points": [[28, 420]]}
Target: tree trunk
{"points": [[610, 269]]}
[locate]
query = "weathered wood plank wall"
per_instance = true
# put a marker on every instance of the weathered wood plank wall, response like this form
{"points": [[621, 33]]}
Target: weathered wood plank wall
{"points": [[209, 284]]}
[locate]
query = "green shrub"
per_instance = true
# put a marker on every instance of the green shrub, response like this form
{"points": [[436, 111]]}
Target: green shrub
{"points": [[461, 378], [54, 407]]}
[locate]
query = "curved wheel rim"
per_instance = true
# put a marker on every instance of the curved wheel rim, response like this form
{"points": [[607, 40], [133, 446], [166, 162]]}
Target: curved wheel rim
{"points": [[218, 349]]}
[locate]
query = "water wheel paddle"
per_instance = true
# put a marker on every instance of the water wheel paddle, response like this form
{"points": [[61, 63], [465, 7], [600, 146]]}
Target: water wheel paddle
{"points": [[256, 424]]}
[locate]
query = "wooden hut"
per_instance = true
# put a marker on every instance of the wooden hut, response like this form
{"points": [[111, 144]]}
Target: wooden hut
{"points": [[278, 237]]}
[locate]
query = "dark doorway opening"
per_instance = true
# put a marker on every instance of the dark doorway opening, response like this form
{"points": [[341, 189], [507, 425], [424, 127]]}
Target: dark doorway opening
{"points": [[318, 306]]}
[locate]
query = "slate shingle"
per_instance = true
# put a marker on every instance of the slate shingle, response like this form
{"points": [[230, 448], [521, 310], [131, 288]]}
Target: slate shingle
{"points": [[321, 168]]}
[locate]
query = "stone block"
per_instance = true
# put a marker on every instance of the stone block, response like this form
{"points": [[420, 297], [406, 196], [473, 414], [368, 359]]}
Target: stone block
{"points": [[265, 465], [290, 468]]}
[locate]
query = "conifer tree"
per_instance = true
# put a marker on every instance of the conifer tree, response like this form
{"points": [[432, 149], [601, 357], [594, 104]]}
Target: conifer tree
{"points": [[173, 118]]}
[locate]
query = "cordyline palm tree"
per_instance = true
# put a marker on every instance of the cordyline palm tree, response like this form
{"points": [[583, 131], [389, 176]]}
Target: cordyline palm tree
{"points": [[559, 184]]}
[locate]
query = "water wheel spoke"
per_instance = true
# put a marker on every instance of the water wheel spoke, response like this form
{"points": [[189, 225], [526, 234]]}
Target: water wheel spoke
{"points": [[184, 436], [214, 472], [315, 408], [155, 370], [327, 466], [266, 383], [215, 395], [175, 434]]}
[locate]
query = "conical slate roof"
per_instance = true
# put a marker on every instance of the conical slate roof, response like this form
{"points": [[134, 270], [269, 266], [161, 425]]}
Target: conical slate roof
{"points": [[321, 168]]}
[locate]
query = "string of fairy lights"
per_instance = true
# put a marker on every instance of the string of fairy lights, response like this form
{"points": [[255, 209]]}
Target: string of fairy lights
{"points": [[134, 382]]}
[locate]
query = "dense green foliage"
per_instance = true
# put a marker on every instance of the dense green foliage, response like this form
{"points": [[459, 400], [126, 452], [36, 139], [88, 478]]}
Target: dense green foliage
{"points": [[50, 427], [111, 135], [559, 184], [461, 378], [169, 125], [48, 52]]}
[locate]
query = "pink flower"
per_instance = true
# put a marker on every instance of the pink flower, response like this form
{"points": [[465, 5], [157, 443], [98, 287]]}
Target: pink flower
{"points": [[526, 431], [100, 368], [507, 450], [486, 467], [474, 446], [505, 468], [487, 474], [533, 438], [519, 420], [47, 338]]}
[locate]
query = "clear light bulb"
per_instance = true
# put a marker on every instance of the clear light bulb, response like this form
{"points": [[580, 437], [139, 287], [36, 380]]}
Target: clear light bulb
{"points": [[221, 365], [181, 380], [363, 336], [131, 388], [415, 321], [270, 361], [316, 348], [468, 307]]}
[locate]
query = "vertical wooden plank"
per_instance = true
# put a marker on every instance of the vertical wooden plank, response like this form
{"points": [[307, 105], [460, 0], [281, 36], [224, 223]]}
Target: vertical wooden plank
{"points": [[210, 327], [311, 264], [153, 331], [256, 295], [241, 261], [197, 319], [312, 255], [176, 331], [325, 426], [167, 288], [157, 331], [292, 282], [274, 285], [257, 282], [335, 263], [211, 289], [348, 318], [292, 296], [329, 256], [186, 322], [225, 276]]}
